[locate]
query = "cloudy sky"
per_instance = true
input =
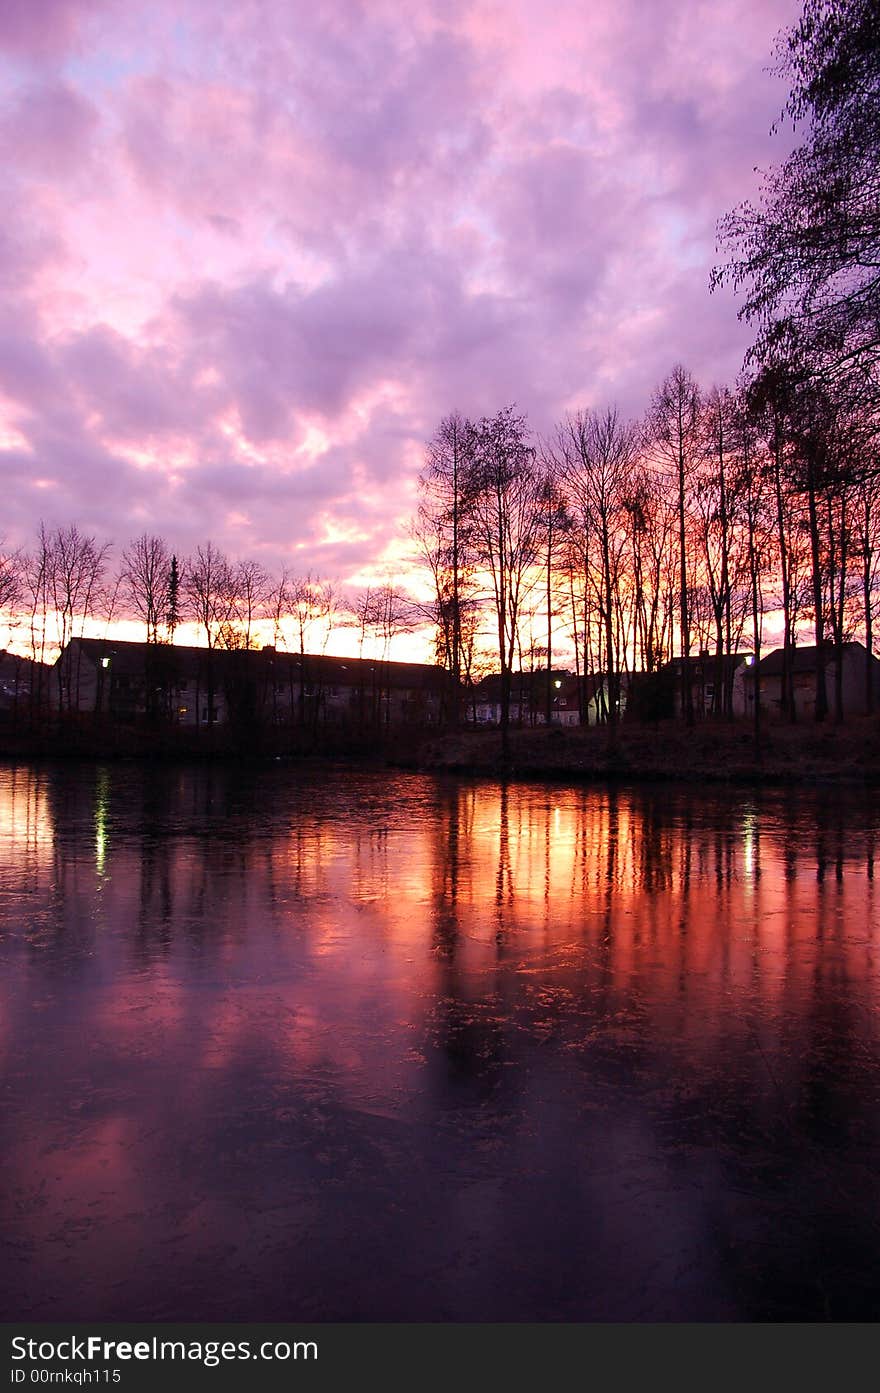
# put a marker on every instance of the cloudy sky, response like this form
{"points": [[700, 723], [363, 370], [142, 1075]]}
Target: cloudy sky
{"points": [[253, 250]]}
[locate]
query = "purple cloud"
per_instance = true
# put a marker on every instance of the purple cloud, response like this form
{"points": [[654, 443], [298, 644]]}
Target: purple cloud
{"points": [[253, 252], [45, 28]]}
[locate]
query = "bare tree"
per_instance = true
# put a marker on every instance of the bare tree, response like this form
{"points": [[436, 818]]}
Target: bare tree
{"points": [[36, 566], [250, 591], [208, 597], [76, 566], [444, 534], [311, 603], [723, 557], [598, 453], [506, 530], [866, 537], [393, 615], [650, 525], [555, 523], [145, 576], [381, 613], [674, 432], [11, 580], [207, 592], [752, 504]]}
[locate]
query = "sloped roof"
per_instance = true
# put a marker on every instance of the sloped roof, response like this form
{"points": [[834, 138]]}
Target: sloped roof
{"points": [[130, 659], [183, 661], [803, 659], [17, 666], [705, 662], [328, 670], [523, 685]]}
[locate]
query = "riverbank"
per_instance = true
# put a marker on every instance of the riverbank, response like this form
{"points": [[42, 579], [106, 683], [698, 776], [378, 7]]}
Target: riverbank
{"points": [[709, 753], [108, 742]]}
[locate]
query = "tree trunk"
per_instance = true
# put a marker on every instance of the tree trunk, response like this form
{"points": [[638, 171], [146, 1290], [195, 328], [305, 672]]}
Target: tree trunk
{"points": [[821, 702]]}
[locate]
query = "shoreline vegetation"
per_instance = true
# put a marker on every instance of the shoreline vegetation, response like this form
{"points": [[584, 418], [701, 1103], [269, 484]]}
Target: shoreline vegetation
{"points": [[711, 753]]}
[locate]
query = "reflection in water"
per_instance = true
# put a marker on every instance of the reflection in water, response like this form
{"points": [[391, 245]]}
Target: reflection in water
{"points": [[279, 1044]]}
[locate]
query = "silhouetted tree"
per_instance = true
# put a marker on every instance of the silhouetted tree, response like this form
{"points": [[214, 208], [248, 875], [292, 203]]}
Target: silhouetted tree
{"points": [[597, 454], [144, 576], [506, 529], [173, 600], [250, 589], [807, 258], [209, 602], [76, 566], [674, 432], [555, 522], [444, 532]]}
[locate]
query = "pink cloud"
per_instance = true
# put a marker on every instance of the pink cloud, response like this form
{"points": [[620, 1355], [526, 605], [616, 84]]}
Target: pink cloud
{"points": [[233, 229], [47, 128], [45, 28]]}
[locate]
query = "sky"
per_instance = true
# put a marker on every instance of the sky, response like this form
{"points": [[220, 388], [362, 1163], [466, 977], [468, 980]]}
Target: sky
{"points": [[253, 251]]}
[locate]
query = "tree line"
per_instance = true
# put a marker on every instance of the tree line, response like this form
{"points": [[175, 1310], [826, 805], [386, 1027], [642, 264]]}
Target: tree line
{"points": [[633, 543], [624, 544], [68, 586]]}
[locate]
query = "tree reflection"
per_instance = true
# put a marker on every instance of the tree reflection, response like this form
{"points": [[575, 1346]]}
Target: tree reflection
{"points": [[427, 1009]]}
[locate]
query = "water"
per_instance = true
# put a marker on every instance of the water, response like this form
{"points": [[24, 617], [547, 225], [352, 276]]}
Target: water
{"points": [[288, 1044]]}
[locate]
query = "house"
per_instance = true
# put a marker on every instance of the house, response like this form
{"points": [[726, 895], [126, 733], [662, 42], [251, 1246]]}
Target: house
{"points": [[710, 676], [24, 683], [351, 690], [857, 666], [127, 680], [528, 699], [193, 686]]}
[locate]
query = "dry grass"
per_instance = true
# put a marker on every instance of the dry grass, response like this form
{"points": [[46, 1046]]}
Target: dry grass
{"points": [[710, 752]]}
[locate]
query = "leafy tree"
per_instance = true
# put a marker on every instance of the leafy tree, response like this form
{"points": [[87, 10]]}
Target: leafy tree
{"points": [[172, 599]]}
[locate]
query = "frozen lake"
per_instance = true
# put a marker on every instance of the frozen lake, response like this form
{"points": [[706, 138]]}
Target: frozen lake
{"points": [[296, 1044]]}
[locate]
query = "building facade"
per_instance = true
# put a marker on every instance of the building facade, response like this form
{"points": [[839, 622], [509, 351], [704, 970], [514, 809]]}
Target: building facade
{"points": [[199, 687]]}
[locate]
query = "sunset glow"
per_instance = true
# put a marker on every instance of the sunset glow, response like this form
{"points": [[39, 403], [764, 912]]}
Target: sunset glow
{"points": [[253, 253]]}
